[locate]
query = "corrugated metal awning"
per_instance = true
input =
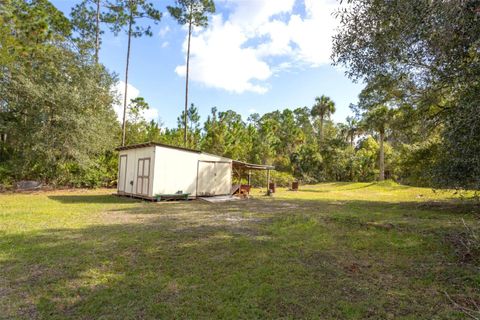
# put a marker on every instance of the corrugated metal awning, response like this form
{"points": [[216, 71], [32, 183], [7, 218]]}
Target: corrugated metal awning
{"points": [[251, 166]]}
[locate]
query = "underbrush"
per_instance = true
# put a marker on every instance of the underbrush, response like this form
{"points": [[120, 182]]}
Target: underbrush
{"points": [[281, 179], [467, 244]]}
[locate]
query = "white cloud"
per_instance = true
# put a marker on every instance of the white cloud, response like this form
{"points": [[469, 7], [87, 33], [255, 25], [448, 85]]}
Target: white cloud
{"points": [[163, 31], [151, 114], [165, 44], [132, 93], [253, 13], [259, 38], [313, 34], [219, 60]]}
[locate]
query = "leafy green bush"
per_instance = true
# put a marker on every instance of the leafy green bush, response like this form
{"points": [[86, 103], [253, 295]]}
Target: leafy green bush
{"points": [[415, 162], [281, 179], [6, 181]]}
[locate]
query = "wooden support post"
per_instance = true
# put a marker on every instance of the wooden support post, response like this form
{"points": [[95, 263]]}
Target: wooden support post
{"points": [[249, 177], [268, 182], [238, 175]]}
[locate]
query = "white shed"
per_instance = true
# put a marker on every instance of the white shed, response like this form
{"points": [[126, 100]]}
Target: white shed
{"points": [[148, 169]]}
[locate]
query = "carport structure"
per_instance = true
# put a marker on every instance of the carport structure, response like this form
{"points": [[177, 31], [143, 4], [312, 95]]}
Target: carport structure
{"points": [[241, 169]]}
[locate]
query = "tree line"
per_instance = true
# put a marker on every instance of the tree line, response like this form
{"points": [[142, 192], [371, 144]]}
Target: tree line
{"points": [[56, 118], [420, 61], [417, 120], [303, 143]]}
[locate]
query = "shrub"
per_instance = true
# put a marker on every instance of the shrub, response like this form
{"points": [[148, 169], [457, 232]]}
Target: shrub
{"points": [[259, 178], [6, 181]]}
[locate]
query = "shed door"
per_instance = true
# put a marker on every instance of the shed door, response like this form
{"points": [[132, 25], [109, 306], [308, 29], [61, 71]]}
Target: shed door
{"points": [[223, 177], [213, 178], [206, 178], [122, 173], [143, 176]]}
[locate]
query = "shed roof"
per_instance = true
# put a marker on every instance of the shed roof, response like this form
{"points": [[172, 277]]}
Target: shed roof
{"points": [[152, 144]]}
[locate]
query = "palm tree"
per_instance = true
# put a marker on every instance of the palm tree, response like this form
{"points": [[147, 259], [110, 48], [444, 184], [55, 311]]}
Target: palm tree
{"points": [[352, 129], [378, 119], [323, 108]]}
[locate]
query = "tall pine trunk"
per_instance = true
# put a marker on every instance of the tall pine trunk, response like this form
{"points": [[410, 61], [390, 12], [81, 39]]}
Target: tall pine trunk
{"points": [[97, 32], [124, 125], [352, 137], [381, 164], [186, 83], [320, 138]]}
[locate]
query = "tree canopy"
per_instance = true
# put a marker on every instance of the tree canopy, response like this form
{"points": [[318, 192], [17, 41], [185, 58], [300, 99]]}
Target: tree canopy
{"points": [[430, 52], [55, 106]]}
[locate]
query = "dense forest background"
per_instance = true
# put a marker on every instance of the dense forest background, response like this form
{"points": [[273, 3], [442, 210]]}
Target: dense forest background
{"points": [[417, 121]]}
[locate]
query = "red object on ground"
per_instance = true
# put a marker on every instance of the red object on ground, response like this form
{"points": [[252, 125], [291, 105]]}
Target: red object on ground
{"points": [[246, 187], [272, 186]]}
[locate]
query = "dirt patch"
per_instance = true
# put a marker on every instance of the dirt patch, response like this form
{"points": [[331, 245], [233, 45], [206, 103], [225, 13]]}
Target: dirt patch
{"points": [[10, 307], [5, 290], [380, 225], [122, 217]]}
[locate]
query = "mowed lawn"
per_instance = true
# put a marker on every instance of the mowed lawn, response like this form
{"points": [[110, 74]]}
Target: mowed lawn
{"points": [[329, 251]]}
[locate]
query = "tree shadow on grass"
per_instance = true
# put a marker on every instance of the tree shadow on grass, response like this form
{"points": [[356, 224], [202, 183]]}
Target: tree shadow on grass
{"points": [[343, 184], [79, 199], [108, 270], [254, 259], [312, 190], [386, 185]]}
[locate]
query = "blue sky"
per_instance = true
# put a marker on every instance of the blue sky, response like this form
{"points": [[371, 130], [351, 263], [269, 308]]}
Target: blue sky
{"points": [[255, 56]]}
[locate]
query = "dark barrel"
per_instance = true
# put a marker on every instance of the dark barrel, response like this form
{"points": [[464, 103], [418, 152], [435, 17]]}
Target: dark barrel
{"points": [[295, 185]]}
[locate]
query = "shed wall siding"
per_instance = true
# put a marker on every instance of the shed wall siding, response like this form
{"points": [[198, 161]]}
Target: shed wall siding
{"points": [[133, 155], [176, 170]]}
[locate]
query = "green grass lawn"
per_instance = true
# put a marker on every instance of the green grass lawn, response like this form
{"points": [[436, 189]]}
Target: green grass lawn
{"points": [[337, 250]]}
